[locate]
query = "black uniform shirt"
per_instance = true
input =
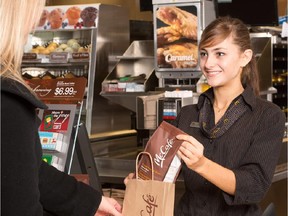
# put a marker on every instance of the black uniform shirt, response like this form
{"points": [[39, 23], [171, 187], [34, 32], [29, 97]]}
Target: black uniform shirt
{"points": [[250, 148]]}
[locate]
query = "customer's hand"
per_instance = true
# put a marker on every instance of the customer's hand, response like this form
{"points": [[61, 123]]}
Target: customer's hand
{"points": [[109, 207], [130, 176], [191, 152]]}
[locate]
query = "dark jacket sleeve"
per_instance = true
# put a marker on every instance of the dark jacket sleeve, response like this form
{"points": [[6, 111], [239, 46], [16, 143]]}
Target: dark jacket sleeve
{"points": [[19, 168], [63, 195], [27, 183]]}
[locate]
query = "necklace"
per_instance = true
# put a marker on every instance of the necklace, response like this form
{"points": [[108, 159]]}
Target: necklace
{"points": [[218, 110]]}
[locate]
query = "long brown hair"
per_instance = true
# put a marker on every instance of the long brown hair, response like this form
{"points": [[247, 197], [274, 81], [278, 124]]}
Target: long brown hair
{"points": [[18, 19], [218, 30]]}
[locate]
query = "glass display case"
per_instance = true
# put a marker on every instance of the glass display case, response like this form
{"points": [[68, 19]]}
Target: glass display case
{"points": [[77, 41]]}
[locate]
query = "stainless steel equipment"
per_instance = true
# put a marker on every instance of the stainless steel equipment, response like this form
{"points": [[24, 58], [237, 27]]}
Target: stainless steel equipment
{"points": [[177, 28], [132, 76], [262, 48]]}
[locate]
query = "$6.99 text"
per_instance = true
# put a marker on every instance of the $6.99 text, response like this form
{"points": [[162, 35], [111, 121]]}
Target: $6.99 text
{"points": [[64, 91]]}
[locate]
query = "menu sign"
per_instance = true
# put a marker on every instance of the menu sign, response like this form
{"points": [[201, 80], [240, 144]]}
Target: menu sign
{"points": [[55, 120], [55, 132], [83, 55], [58, 57], [80, 57], [29, 56], [176, 37], [59, 90]]}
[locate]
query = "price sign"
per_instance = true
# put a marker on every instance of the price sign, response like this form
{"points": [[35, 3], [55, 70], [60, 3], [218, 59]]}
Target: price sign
{"points": [[62, 90], [59, 57], [69, 91]]}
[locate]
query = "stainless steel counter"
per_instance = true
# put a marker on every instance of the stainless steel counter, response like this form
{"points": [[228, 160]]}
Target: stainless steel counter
{"points": [[115, 170], [118, 164]]}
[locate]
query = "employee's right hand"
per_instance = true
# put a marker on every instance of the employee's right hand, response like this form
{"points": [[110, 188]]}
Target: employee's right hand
{"points": [[109, 206], [191, 152], [130, 176]]}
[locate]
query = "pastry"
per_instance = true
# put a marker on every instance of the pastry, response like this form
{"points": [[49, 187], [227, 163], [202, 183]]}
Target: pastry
{"points": [[89, 15], [73, 15], [43, 18], [56, 18]]}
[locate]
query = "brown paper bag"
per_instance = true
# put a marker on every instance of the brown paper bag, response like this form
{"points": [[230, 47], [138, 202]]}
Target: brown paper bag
{"points": [[163, 147], [148, 197]]}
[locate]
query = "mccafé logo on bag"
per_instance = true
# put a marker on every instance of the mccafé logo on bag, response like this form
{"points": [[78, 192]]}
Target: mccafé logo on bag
{"points": [[149, 197], [151, 205], [164, 150], [163, 147]]}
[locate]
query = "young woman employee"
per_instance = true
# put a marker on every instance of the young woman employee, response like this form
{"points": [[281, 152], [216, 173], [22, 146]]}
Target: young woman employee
{"points": [[234, 136], [234, 140]]}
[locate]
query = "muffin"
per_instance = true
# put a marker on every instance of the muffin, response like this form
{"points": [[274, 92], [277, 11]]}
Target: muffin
{"points": [[43, 18], [56, 18], [89, 15], [73, 15]]}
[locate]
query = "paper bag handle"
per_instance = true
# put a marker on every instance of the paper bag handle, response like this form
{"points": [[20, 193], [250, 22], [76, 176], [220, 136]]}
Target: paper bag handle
{"points": [[151, 161]]}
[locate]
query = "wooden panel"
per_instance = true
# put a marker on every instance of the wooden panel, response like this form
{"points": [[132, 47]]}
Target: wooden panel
{"points": [[282, 7]]}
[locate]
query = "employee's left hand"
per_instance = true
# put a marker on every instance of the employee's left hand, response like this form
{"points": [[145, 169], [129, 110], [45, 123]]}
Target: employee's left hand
{"points": [[191, 151]]}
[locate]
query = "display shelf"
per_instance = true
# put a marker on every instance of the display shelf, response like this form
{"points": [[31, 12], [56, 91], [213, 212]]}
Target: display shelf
{"points": [[68, 64], [67, 68], [98, 44], [280, 72]]}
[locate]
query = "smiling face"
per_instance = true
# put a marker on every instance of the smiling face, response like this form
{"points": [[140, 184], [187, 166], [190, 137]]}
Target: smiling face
{"points": [[222, 63], [226, 55]]}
